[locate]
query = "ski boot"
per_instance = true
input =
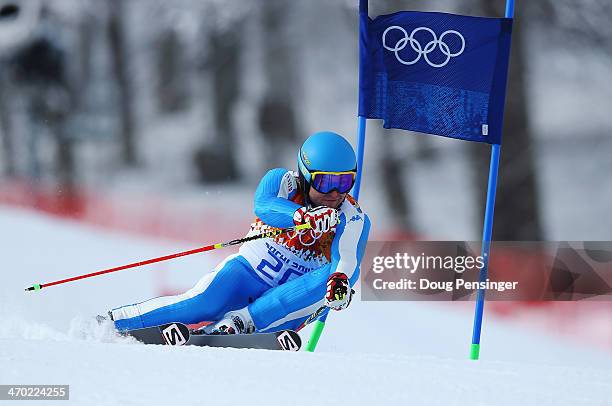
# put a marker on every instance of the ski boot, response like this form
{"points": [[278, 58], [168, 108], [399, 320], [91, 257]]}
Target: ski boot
{"points": [[234, 322]]}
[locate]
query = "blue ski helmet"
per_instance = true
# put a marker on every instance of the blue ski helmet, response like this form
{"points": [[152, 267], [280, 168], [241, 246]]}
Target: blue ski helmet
{"points": [[325, 151]]}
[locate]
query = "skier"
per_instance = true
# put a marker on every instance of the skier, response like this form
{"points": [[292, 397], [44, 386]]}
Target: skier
{"points": [[276, 283]]}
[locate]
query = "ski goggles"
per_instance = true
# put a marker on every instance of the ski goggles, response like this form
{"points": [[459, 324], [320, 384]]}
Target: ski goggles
{"points": [[326, 182]]}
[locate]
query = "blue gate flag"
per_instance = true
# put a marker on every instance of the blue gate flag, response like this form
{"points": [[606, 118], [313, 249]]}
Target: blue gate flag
{"points": [[436, 73]]}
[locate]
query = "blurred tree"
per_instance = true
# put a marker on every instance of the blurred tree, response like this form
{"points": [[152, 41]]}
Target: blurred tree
{"points": [[9, 10], [171, 86], [10, 16], [277, 117], [576, 23], [517, 214], [8, 154], [120, 62], [394, 178], [40, 73], [216, 162], [86, 30]]}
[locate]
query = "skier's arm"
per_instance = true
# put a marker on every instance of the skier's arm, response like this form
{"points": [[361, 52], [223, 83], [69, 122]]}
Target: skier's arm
{"points": [[349, 244], [348, 248], [272, 204]]}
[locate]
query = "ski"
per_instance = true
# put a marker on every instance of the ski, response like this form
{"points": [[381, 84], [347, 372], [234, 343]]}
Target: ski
{"points": [[165, 334], [179, 334]]}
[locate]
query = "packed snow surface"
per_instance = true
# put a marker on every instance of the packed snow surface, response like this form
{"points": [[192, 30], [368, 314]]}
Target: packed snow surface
{"points": [[374, 352]]}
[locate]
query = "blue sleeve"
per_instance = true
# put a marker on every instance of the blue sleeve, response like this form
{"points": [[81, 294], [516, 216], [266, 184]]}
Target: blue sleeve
{"points": [[272, 204], [349, 244]]}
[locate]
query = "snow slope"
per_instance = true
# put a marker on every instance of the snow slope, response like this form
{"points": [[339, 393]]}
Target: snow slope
{"points": [[402, 353]]}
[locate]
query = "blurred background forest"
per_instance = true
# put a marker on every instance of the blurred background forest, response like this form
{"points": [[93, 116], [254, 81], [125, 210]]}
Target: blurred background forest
{"points": [[183, 105]]}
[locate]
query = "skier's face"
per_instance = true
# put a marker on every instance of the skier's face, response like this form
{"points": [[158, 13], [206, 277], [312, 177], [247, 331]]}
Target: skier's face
{"points": [[332, 199]]}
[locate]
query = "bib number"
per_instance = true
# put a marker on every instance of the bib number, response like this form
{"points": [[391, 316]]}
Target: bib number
{"points": [[277, 268]]}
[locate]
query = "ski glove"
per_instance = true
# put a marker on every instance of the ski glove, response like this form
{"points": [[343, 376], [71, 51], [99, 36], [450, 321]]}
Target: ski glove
{"points": [[321, 219], [339, 292]]}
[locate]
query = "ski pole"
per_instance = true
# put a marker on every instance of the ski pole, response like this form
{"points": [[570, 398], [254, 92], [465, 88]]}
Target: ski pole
{"points": [[267, 234], [311, 318]]}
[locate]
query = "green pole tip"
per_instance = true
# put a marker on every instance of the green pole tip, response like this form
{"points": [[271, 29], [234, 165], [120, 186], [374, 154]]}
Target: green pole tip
{"points": [[475, 352], [33, 287], [316, 334]]}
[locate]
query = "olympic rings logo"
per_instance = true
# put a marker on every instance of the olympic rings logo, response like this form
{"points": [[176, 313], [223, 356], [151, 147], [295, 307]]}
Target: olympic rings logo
{"points": [[420, 50]]}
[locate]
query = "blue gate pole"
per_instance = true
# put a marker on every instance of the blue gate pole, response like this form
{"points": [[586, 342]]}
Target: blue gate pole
{"points": [[361, 129], [487, 230], [486, 249]]}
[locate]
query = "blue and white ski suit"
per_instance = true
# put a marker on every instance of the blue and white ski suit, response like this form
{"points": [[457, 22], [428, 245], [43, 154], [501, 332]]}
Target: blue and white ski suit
{"points": [[280, 280]]}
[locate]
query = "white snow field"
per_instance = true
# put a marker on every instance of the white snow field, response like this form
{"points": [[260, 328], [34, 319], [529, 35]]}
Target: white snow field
{"points": [[374, 352]]}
